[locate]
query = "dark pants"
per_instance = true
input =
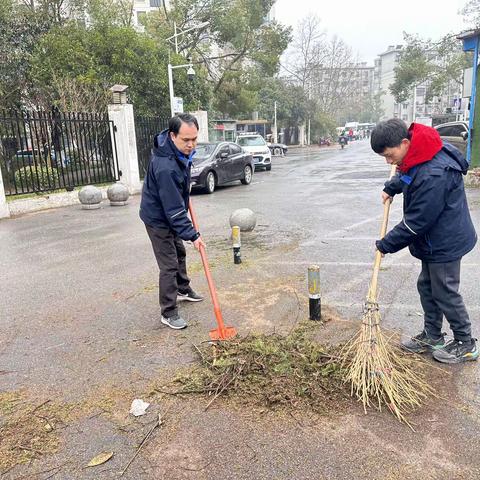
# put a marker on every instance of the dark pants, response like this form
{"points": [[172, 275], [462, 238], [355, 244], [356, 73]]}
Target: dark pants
{"points": [[171, 258], [438, 285]]}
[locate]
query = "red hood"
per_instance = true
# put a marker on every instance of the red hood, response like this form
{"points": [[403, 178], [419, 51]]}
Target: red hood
{"points": [[425, 143]]}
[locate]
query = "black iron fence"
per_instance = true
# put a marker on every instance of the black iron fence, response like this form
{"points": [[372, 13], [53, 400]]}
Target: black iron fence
{"points": [[45, 151], [145, 130]]}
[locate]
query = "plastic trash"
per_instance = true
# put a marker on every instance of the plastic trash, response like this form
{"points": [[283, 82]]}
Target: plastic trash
{"points": [[138, 407]]}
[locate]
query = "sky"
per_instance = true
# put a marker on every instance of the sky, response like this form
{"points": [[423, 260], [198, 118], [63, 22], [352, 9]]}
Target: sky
{"points": [[370, 26]]}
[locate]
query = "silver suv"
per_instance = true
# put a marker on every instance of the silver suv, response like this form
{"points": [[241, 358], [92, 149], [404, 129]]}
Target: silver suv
{"points": [[455, 133]]}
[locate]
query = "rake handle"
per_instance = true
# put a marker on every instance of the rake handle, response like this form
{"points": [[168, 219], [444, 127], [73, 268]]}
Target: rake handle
{"points": [[208, 275], [383, 231]]}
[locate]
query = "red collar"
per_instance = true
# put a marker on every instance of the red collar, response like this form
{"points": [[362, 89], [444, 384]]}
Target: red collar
{"points": [[425, 143]]}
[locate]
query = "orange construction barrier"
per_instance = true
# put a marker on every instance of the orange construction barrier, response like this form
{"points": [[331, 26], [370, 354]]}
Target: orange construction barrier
{"points": [[221, 332]]}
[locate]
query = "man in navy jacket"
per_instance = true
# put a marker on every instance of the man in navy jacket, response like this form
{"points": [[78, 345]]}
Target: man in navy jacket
{"points": [[163, 209], [436, 227]]}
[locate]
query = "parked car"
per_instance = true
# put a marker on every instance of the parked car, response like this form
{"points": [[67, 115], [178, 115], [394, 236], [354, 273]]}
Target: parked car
{"points": [[26, 157], [277, 148], [455, 133], [257, 146], [220, 163]]}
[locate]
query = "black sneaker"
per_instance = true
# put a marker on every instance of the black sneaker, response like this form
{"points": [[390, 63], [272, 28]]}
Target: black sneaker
{"points": [[175, 321], [422, 343], [456, 351], [189, 296]]}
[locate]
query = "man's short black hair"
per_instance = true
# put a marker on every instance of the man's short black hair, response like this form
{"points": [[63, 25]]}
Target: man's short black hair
{"points": [[388, 134], [175, 122]]}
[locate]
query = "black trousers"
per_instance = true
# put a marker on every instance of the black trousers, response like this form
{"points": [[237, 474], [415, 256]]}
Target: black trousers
{"points": [[438, 286], [171, 258]]}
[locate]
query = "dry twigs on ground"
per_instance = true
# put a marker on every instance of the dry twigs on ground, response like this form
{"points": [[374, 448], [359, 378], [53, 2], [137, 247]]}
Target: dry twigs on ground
{"points": [[269, 370]]}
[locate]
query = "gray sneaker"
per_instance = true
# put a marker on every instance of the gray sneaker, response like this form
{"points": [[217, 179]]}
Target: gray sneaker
{"points": [[422, 343], [175, 321], [456, 351]]}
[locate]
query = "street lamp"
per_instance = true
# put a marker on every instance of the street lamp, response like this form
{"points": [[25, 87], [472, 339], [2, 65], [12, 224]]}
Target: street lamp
{"points": [[190, 74], [177, 34], [189, 66]]}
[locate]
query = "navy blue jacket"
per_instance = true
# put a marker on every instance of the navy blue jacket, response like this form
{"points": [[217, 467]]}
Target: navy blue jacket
{"points": [[436, 223], [166, 190]]}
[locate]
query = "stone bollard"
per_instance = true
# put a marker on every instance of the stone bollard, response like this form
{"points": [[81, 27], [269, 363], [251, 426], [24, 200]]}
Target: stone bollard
{"points": [[118, 194], [244, 218], [90, 197]]}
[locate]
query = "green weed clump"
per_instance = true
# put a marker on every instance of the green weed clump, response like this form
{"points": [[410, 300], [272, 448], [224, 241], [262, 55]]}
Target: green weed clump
{"points": [[269, 371]]}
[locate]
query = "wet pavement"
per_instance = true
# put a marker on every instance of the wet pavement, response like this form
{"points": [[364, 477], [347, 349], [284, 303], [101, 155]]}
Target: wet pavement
{"points": [[79, 326]]}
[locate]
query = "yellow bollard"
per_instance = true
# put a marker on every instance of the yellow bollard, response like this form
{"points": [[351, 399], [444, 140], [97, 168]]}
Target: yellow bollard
{"points": [[314, 292]]}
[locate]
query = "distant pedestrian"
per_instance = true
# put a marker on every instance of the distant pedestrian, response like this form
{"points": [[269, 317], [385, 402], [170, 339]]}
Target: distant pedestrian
{"points": [[437, 228], [163, 209]]}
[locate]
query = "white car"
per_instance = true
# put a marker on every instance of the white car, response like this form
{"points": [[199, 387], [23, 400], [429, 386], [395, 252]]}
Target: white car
{"points": [[256, 146]]}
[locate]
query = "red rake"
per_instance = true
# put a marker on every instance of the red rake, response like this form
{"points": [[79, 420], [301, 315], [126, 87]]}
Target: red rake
{"points": [[221, 332]]}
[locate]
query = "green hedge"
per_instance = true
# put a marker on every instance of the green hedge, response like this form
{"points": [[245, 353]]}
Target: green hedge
{"points": [[40, 178]]}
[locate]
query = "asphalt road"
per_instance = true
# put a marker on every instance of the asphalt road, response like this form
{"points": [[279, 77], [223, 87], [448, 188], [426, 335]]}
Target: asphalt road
{"points": [[79, 325]]}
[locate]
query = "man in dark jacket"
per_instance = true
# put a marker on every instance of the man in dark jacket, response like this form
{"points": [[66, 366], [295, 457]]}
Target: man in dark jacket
{"points": [[436, 227], [163, 209]]}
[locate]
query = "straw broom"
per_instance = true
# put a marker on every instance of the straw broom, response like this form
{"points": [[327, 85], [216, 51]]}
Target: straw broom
{"points": [[378, 371]]}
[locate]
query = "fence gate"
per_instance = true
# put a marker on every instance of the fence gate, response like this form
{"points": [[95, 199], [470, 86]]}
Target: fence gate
{"points": [[145, 130], [46, 151]]}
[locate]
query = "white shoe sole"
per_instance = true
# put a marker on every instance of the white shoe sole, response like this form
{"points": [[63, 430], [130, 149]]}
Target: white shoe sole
{"points": [[165, 322], [185, 298]]}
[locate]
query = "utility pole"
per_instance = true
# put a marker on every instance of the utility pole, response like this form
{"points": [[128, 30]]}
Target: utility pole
{"points": [[414, 111], [275, 132], [175, 36]]}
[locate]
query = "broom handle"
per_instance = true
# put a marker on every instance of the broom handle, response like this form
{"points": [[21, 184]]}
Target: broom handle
{"points": [[383, 231]]}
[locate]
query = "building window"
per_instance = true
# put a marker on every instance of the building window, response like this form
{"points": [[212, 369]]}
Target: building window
{"points": [[156, 3]]}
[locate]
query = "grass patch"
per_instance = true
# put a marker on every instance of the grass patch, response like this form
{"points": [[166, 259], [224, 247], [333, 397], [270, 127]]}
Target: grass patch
{"points": [[28, 431], [270, 371]]}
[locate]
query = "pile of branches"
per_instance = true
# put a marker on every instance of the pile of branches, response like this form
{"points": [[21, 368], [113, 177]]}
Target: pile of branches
{"points": [[270, 371]]}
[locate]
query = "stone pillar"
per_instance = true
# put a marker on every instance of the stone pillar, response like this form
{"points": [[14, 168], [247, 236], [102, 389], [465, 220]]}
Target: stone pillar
{"points": [[202, 117], [122, 117], [4, 210], [301, 135]]}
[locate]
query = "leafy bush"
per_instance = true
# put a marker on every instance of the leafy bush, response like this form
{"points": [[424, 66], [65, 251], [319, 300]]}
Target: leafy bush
{"points": [[41, 178]]}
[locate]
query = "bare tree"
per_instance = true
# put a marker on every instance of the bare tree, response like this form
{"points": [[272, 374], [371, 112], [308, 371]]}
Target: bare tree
{"points": [[471, 13], [334, 84], [307, 51], [324, 68]]}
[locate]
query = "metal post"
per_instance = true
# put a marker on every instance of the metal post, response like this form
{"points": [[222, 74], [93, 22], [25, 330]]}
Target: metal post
{"points": [[473, 97], [170, 88], [314, 292], [414, 112], [237, 257], [275, 136]]}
